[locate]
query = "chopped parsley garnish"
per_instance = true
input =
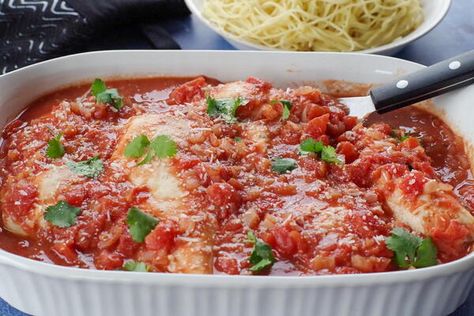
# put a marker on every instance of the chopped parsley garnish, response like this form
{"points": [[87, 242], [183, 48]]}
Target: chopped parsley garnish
{"points": [[225, 108], [106, 96], [283, 165], [328, 153], [262, 256], [140, 224], [286, 109], [90, 168], [136, 266], [62, 214], [411, 250], [238, 139], [161, 146], [55, 148]]}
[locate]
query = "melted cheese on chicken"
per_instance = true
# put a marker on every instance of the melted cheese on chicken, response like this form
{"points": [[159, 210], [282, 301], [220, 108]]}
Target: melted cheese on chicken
{"points": [[422, 213], [48, 183], [167, 194]]}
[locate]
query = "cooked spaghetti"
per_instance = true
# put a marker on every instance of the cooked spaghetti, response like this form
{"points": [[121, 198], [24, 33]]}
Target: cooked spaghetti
{"points": [[316, 25]]}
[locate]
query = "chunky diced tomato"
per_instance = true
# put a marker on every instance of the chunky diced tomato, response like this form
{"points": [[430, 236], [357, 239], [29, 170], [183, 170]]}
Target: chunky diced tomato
{"points": [[65, 252], [126, 245], [227, 265], [286, 241], [450, 237], [348, 150], [140, 195], [316, 167], [336, 128], [263, 86], [310, 93], [323, 262], [187, 92], [19, 199], [85, 238], [225, 198], [370, 264], [162, 237], [187, 162], [350, 122], [75, 195], [107, 260], [360, 173], [413, 183], [410, 143], [317, 126], [315, 110], [382, 127]]}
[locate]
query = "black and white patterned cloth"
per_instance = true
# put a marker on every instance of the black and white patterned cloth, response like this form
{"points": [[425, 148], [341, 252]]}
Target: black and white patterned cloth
{"points": [[36, 30]]}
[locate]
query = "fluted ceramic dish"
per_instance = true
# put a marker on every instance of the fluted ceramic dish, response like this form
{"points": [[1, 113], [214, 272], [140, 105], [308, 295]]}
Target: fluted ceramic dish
{"points": [[47, 290], [434, 12]]}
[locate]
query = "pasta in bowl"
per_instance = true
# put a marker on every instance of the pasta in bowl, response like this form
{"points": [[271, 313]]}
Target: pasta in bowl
{"points": [[298, 25]]}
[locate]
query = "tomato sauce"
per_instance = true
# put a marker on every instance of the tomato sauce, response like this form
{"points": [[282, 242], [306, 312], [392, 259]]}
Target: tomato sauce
{"points": [[321, 218]]}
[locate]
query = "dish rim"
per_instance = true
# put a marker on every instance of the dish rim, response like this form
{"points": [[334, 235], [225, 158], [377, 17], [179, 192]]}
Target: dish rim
{"points": [[58, 271], [397, 43]]}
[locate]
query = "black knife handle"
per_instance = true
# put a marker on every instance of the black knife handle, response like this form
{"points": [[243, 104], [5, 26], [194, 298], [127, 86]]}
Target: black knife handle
{"points": [[432, 81]]}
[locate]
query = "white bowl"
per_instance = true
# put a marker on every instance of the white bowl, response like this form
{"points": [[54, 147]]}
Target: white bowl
{"points": [[44, 289], [434, 11]]}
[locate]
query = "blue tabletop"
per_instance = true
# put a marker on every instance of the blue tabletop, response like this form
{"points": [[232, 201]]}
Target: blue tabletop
{"points": [[453, 36]]}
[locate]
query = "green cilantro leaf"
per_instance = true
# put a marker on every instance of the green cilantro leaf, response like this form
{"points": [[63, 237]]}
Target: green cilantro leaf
{"points": [[140, 224], [225, 108], [262, 256], [426, 254], [238, 139], [283, 165], [107, 96], [286, 109], [136, 148], [90, 168], [404, 138], [110, 96], [148, 158], [136, 266], [164, 146], [311, 146], [161, 146], [62, 214], [328, 154], [98, 86], [411, 250], [212, 108], [55, 148], [404, 245], [260, 265]]}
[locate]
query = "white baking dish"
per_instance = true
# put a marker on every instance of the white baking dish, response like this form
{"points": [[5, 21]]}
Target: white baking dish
{"points": [[43, 289]]}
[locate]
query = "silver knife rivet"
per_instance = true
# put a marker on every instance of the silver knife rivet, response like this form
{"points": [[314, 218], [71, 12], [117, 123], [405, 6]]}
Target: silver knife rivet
{"points": [[402, 84], [454, 65]]}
